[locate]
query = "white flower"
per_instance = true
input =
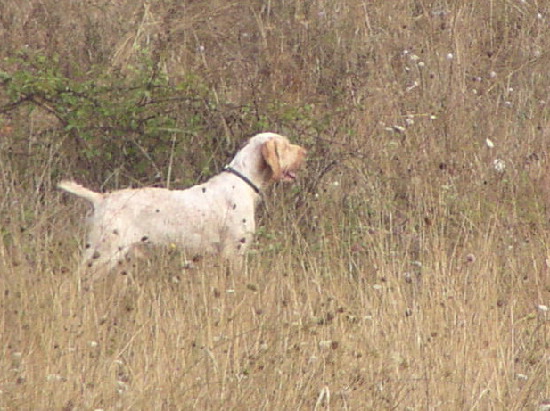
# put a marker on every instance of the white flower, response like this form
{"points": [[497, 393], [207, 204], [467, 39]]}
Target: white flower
{"points": [[55, 377], [121, 387], [499, 165], [412, 86], [399, 129], [489, 143], [522, 377], [325, 344]]}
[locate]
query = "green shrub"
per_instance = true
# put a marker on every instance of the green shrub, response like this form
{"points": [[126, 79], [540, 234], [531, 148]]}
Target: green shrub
{"points": [[111, 119]]}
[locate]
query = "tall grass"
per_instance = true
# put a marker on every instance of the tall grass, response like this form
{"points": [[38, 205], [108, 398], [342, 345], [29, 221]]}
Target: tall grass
{"points": [[407, 269]]}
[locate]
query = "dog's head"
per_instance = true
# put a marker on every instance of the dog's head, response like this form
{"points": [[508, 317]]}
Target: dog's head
{"points": [[269, 157], [282, 158]]}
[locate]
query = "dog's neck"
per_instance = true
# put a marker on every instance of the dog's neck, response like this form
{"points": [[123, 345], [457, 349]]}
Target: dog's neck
{"points": [[249, 163], [243, 177]]}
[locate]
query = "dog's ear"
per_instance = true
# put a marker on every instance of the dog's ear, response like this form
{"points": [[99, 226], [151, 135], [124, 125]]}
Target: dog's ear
{"points": [[271, 157]]}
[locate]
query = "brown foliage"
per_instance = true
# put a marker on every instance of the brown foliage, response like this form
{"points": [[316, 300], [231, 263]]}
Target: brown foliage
{"points": [[408, 269]]}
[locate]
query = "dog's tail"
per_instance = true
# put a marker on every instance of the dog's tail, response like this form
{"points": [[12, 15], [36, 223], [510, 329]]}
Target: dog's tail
{"points": [[77, 189]]}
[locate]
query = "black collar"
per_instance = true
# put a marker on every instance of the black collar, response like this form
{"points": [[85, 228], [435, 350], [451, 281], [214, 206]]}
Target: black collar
{"points": [[242, 177]]}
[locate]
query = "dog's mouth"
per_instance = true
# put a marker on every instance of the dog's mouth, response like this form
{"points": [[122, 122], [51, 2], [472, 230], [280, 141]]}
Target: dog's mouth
{"points": [[289, 175], [289, 170]]}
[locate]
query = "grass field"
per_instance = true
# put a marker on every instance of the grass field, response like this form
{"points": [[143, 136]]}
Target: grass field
{"points": [[408, 268]]}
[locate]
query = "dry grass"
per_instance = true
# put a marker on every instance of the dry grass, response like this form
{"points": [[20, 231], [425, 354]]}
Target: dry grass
{"points": [[408, 270]]}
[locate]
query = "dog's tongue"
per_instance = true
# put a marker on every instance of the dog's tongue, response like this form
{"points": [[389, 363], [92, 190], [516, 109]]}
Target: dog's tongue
{"points": [[290, 174]]}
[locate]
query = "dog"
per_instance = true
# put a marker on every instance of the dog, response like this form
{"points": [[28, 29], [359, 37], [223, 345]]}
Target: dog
{"points": [[217, 217]]}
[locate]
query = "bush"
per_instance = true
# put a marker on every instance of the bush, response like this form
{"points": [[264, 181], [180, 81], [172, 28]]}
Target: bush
{"points": [[111, 119]]}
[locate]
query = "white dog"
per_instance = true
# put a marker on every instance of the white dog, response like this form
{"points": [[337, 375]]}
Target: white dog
{"points": [[216, 217]]}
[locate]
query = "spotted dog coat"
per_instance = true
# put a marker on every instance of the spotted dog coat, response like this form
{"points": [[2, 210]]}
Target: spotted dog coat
{"points": [[216, 217]]}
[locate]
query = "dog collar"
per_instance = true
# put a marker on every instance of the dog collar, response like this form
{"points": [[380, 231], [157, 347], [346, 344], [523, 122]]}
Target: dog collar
{"points": [[242, 177]]}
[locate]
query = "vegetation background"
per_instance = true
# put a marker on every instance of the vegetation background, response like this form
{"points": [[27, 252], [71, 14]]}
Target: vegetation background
{"points": [[409, 267]]}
